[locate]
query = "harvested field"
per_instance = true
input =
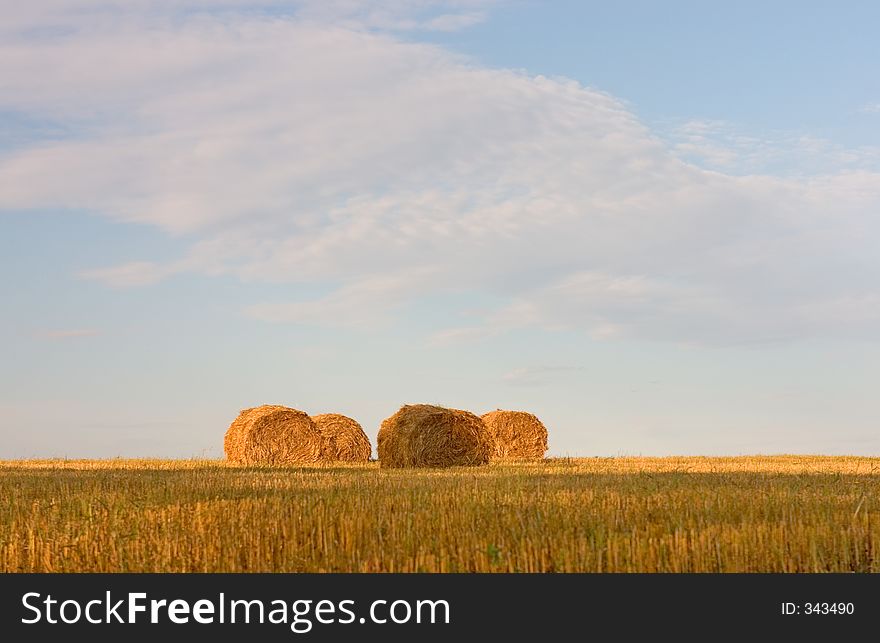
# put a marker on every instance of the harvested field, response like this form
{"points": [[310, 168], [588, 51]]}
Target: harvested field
{"points": [[751, 514]]}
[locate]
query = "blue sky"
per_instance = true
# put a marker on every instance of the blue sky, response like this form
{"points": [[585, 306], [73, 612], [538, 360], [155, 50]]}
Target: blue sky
{"points": [[654, 226], [786, 65]]}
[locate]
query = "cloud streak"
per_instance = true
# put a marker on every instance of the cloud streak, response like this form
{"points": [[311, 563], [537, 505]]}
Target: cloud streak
{"points": [[722, 146], [537, 375], [72, 333]]}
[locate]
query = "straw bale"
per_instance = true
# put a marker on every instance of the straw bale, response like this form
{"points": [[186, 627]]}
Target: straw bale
{"points": [[343, 439], [272, 435], [422, 435], [515, 435]]}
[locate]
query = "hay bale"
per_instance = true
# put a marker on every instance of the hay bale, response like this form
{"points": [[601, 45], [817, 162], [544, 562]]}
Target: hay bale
{"points": [[272, 435], [343, 438], [421, 435], [515, 435]]}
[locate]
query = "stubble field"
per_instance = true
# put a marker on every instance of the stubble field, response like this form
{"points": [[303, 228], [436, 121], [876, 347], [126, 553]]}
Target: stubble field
{"points": [[688, 514]]}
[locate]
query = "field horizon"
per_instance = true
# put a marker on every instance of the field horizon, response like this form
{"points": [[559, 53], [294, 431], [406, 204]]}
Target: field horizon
{"points": [[836, 462], [772, 513]]}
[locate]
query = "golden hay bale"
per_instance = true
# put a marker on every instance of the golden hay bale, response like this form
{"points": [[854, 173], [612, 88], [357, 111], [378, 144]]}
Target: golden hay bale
{"points": [[515, 435], [272, 435], [421, 435], [343, 438]]}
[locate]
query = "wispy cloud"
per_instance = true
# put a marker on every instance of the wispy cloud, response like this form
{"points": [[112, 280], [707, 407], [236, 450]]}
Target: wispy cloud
{"points": [[135, 273], [72, 333], [367, 301], [398, 15], [457, 335], [286, 146], [723, 146], [455, 21], [537, 375], [57, 17]]}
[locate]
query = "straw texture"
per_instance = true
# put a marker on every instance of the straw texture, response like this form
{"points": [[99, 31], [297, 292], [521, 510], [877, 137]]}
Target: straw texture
{"points": [[342, 438], [272, 435], [422, 435], [515, 435]]}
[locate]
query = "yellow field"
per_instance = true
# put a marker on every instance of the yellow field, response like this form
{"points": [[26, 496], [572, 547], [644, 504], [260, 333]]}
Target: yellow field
{"points": [[774, 514]]}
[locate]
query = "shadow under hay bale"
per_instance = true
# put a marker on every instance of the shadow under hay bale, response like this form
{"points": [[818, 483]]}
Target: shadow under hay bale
{"points": [[515, 435], [343, 439], [272, 435], [422, 435]]}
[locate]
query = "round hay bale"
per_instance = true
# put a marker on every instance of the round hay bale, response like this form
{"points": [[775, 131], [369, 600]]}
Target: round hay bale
{"points": [[343, 438], [421, 435], [515, 435], [272, 435]]}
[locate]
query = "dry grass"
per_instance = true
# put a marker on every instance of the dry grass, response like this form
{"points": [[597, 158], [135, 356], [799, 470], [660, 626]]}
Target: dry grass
{"points": [[272, 435], [343, 439], [421, 435], [515, 435], [774, 514]]}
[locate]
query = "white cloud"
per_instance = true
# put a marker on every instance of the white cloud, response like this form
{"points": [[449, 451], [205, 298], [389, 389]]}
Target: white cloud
{"points": [[365, 301], [290, 149], [537, 375], [55, 17], [723, 146], [454, 21], [397, 15], [870, 108], [70, 333], [135, 273], [450, 336]]}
